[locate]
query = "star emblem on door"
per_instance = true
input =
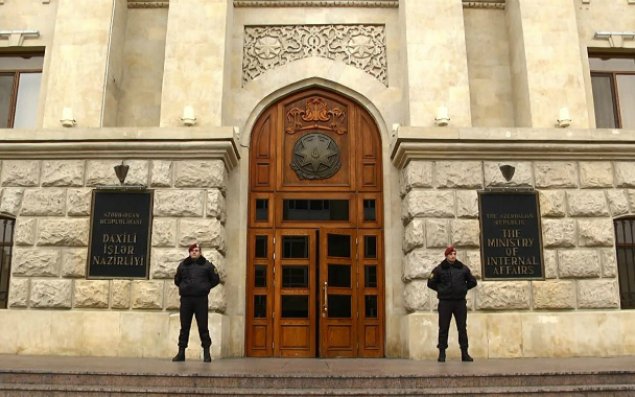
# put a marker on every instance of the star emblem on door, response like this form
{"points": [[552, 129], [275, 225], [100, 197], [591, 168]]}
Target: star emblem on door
{"points": [[315, 156]]}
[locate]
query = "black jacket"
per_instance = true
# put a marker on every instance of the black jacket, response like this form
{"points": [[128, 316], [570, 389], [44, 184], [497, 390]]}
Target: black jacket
{"points": [[451, 281], [196, 278]]}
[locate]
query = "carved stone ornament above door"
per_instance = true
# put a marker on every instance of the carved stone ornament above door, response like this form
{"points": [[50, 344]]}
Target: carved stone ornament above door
{"points": [[315, 156]]}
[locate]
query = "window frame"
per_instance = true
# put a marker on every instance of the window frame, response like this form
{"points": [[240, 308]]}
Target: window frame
{"points": [[16, 79], [615, 94], [4, 221], [624, 270]]}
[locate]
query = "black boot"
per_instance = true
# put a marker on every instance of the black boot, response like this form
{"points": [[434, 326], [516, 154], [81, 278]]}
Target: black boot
{"points": [[441, 358], [180, 356], [207, 357], [465, 357]]}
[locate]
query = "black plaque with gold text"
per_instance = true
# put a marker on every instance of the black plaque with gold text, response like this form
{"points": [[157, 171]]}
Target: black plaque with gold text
{"points": [[511, 244], [120, 232]]}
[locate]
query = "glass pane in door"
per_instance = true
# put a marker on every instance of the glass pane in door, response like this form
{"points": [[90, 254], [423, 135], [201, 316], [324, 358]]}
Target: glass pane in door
{"points": [[339, 246], [339, 306]]}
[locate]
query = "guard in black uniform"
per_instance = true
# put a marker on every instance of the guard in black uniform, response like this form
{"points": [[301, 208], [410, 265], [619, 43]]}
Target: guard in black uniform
{"points": [[452, 279], [195, 276]]}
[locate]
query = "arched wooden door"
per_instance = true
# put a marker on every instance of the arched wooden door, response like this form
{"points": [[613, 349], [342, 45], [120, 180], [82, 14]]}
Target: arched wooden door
{"points": [[315, 271]]}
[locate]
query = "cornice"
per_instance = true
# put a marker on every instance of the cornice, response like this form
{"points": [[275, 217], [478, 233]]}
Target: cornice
{"points": [[148, 4], [317, 3], [498, 4]]}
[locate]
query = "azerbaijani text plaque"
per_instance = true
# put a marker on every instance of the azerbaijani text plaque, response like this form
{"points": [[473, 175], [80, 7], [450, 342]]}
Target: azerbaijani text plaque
{"points": [[120, 230], [511, 244]]}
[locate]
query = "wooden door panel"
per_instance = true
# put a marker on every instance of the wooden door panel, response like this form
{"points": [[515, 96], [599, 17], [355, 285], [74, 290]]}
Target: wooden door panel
{"points": [[371, 293], [259, 303]]}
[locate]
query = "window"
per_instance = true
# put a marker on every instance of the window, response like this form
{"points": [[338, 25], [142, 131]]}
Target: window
{"points": [[20, 79], [6, 242], [625, 246], [613, 81]]}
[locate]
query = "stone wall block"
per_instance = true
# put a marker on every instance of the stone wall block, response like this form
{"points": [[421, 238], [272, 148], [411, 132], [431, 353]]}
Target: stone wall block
{"points": [[216, 205], [178, 203], [120, 294], [466, 204], [163, 232], [210, 233], [52, 293], [598, 294], [437, 233], [465, 232], [91, 293], [11, 200], [502, 295], [165, 261], [138, 173], [428, 204], [609, 262], [200, 173], [579, 263], [554, 294], [147, 294], [414, 235], [63, 173], [44, 202], [24, 233], [79, 201], [101, 173], [39, 262], [18, 292], [631, 198], [160, 173], [624, 173], [218, 299], [418, 264], [522, 174], [550, 258], [74, 262], [472, 259], [416, 296], [618, 202], [172, 297], [594, 174], [63, 232], [556, 174], [458, 174], [559, 232], [20, 173], [552, 203], [218, 260], [596, 232], [417, 174], [587, 203]]}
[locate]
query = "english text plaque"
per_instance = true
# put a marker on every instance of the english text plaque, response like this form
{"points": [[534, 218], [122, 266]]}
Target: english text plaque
{"points": [[511, 244], [120, 230]]}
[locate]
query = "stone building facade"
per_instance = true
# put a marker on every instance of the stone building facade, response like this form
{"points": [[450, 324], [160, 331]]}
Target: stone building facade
{"points": [[451, 88]]}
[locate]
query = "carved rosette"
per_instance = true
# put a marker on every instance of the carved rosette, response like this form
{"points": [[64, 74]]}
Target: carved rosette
{"points": [[268, 47], [317, 113], [315, 156]]}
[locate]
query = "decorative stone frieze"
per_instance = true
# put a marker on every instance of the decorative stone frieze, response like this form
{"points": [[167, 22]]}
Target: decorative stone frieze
{"points": [[120, 297], [172, 297], [148, 4], [609, 263], [579, 263], [618, 202], [463, 174], [465, 232], [550, 258], [418, 264], [62, 173], [51, 293], [437, 233], [63, 232], [163, 232], [165, 261], [587, 203], [11, 200], [596, 232], [39, 262], [414, 235], [552, 203], [417, 174], [598, 294], [147, 294], [428, 204], [269, 47], [160, 173], [503, 295], [559, 232], [217, 299], [466, 204], [494, 177], [416, 296], [216, 205], [74, 262], [91, 293], [556, 174], [18, 292], [101, 173], [210, 233], [44, 202], [495, 4], [624, 174], [24, 231], [20, 173], [79, 201], [595, 174], [554, 294], [200, 174], [179, 202]]}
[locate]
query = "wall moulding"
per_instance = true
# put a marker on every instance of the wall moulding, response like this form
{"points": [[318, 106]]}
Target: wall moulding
{"points": [[498, 4], [317, 3], [148, 4]]}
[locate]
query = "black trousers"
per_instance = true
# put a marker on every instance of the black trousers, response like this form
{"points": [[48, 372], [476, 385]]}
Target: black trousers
{"points": [[194, 306], [447, 308]]}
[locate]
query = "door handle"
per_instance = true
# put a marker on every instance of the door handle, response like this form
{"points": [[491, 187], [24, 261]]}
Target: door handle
{"points": [[325, 306]]}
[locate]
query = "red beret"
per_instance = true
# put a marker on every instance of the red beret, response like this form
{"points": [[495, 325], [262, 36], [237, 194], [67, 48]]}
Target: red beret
{"points": [[191, 247], [449, 250]]}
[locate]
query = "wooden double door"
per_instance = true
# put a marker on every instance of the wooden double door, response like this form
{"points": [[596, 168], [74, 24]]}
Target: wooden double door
{"points": [[315, 265]]}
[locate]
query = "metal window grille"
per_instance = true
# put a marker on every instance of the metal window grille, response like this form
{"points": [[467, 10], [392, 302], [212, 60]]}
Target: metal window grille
{"points": [[625, 246], [6, 242]]}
